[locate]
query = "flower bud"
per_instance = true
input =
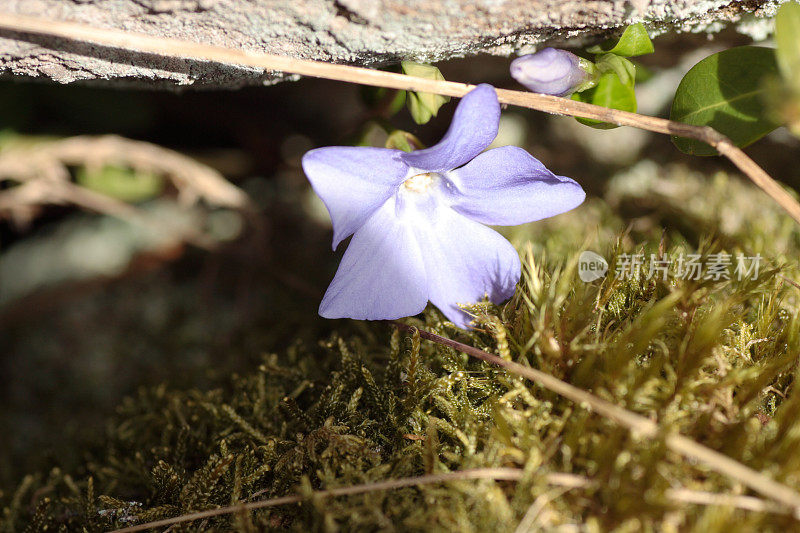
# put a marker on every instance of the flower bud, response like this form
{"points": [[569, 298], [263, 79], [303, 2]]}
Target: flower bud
{"points": [[550, 71]]}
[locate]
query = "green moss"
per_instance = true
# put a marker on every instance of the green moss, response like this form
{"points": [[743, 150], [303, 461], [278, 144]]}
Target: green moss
{"points": [[714, 360]]}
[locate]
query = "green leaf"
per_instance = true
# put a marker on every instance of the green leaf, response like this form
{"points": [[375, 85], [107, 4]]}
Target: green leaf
{"points": [[423, 106], [402, 140], [611, 92], [787, 37], [726, 91], [613, 88], [624, 69], [396, 103], [633, 42], [121, 183]]}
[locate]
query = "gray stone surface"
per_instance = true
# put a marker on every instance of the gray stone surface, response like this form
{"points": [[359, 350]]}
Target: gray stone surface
{"points": [[361, 32]]}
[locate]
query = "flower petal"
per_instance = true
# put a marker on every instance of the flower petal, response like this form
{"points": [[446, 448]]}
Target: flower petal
{"points": [[353, 182], [474, 127], [465, 261], [507, 186], [382, 274], [549, 71]]}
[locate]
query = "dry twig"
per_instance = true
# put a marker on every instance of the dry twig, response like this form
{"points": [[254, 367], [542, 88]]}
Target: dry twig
{"points": [[148, 44], [639, 426], [507, 474], [41, 169], [786, 500], [566, 481]]}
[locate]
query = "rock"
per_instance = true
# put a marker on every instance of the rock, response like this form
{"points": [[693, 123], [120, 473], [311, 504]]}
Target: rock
{"points": [[359, 32]]}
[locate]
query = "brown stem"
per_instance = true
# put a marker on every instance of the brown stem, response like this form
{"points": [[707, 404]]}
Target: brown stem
{"points": [[161, 46], [507, 474], [637, 424], [568, 481]]}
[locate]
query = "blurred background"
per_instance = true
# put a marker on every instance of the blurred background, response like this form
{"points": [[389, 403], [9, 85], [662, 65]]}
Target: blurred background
{"points": [[162, 273]]}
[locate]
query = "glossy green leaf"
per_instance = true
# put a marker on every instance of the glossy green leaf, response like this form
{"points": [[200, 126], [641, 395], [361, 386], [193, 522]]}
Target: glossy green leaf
{"points": [[121, 183], [611, 92], [423, 106], [787, 37], [726, 91], [633, 42]]}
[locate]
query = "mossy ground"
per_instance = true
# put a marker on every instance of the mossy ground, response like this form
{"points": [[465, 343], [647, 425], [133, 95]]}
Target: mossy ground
{"points": [[713, 359]]}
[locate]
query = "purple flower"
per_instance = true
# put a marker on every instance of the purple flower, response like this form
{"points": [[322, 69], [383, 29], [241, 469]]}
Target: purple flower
{"points": [[549, 71], [417, 218]]}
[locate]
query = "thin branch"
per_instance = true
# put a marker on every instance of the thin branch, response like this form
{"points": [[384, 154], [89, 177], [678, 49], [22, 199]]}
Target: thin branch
{"points": [[567, 481], [41, 170], [160, 46], [499, 474], [640, 426], [34, 193], [47, 160], [790, 281], [194, 180], [747, 503]]}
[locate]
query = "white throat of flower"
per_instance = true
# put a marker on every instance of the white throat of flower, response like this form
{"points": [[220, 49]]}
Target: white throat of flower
{"points": [[419, 183]]}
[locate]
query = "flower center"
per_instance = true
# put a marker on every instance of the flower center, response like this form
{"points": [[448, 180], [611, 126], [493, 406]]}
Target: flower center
{"points": [[419, 183]]}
